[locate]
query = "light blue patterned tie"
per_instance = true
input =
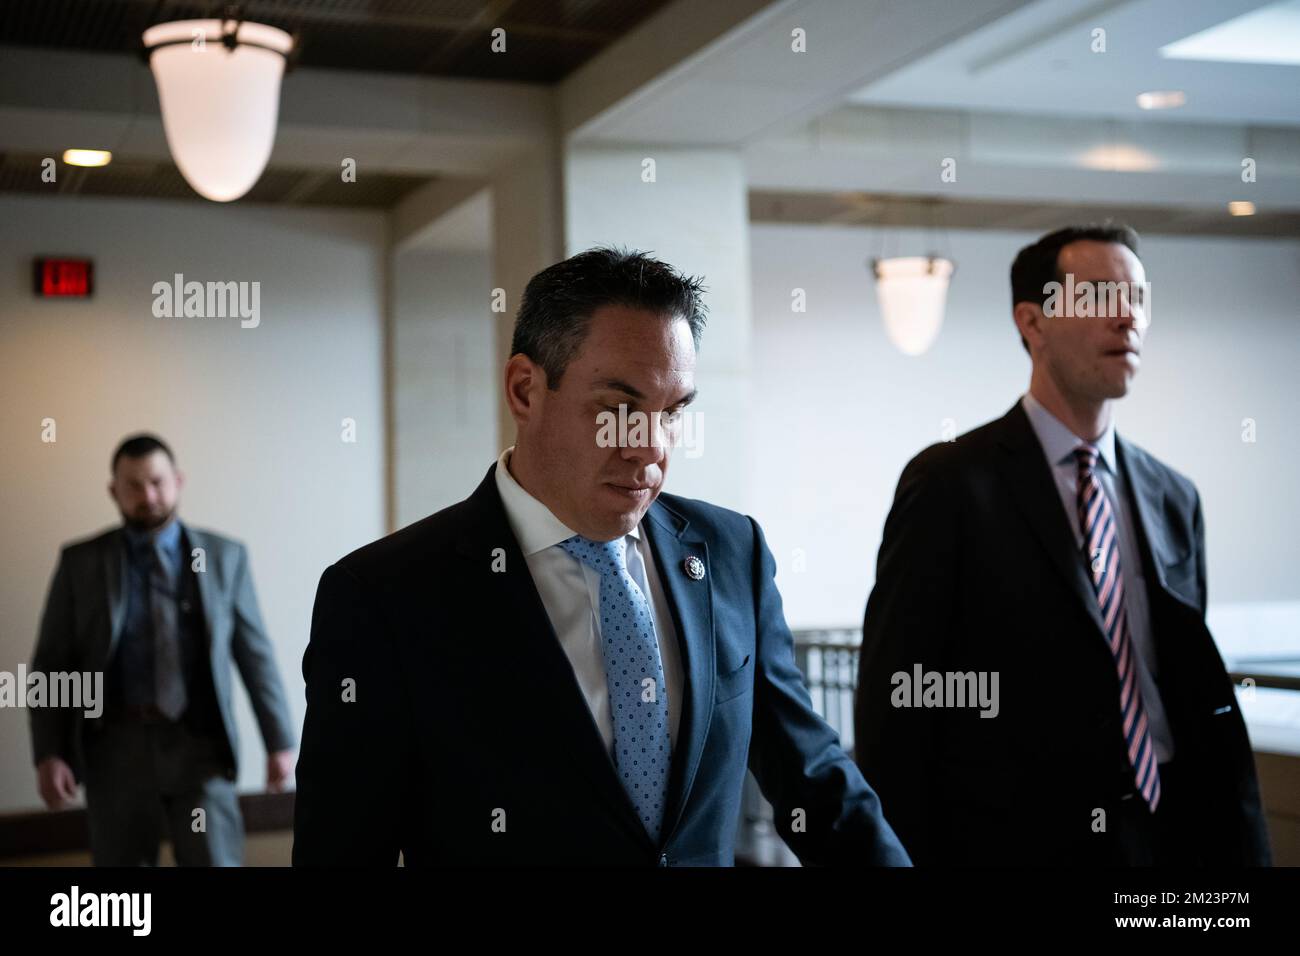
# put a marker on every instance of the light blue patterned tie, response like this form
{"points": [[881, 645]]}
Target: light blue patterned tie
{"points": [[639, 710]]}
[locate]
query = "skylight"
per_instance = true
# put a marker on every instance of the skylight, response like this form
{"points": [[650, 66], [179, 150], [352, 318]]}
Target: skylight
{"points": [[1270, 34]]}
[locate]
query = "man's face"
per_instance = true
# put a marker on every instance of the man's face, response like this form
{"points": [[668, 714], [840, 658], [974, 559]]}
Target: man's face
{"points": [[1096, 357], [146, 490], [631, 357]]}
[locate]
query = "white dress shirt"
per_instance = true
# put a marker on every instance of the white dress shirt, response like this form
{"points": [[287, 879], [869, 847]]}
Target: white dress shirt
{"points": [[570, 592], [1059, 444]]}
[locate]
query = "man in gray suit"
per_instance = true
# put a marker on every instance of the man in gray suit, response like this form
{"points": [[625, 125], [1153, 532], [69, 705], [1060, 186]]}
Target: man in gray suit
{"points": [[160, 609]]}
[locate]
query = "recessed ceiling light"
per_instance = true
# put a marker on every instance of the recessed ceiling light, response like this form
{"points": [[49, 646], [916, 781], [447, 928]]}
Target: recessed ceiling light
{"points": [[1270, 34], [1120, 158], [87, 157], [1241, 208], [1161, 99]]}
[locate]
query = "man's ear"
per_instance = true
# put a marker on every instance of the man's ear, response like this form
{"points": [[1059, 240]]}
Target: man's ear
{"points": [[524, 382], [1029, 320], [180, 479]]}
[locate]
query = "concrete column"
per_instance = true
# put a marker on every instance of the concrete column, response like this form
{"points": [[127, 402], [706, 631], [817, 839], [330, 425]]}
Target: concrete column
{"points": [[527, 236], [443, 372]]}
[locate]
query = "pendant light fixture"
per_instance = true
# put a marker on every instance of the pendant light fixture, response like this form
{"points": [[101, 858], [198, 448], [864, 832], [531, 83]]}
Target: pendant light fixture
{"points": [[913, 295], [219, 89]]}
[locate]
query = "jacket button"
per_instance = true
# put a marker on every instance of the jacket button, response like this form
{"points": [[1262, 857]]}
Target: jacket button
{"points": [[663, 859]]}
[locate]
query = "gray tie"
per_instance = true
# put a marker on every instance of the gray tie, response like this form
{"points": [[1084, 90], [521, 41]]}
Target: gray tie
{"points": [[169, 681]]}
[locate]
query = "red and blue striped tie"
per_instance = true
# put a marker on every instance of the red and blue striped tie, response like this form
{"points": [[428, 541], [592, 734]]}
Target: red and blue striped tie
{"points": [[1097, 522]]}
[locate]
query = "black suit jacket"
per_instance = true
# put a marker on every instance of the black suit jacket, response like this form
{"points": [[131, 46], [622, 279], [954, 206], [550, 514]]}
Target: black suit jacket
{"points": [[469, 741], [978, 571]]}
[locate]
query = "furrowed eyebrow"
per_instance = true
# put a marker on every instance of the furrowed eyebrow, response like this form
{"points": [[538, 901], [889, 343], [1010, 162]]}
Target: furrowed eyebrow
{"points": [[617, 385]]}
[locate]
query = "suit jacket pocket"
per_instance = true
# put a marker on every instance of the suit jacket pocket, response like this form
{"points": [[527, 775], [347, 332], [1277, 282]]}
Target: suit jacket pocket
{"points": [[733, 683]]}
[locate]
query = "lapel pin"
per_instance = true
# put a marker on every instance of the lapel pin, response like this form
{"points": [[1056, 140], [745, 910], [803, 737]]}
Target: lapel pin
{"points": [[694, 568]]}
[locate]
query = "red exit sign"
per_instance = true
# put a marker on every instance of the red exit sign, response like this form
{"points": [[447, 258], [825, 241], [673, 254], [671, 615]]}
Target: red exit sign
{"points": [[74, 278]]}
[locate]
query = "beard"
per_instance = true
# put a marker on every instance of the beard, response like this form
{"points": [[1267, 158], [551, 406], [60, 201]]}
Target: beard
{"points": [[145, 520]]}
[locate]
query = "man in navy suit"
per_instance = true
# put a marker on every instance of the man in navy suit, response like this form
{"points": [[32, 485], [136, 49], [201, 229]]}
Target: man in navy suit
{"points": [[570, 667]]}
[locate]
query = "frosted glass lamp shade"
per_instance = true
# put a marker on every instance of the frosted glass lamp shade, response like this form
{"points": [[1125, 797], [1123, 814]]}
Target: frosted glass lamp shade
{"points": [[219, 104], [913, 292]]}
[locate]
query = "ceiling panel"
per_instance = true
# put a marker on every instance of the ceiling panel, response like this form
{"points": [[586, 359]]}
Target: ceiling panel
{"points": [[545, 39]]}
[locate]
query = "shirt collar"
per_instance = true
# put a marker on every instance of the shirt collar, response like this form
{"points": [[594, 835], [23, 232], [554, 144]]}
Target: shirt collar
{"points": [[1059, 442], [536, 528], [168, 537]]}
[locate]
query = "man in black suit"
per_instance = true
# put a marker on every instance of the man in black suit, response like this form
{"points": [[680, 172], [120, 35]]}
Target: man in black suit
{"points": [[1064, 567], [570, 667]]}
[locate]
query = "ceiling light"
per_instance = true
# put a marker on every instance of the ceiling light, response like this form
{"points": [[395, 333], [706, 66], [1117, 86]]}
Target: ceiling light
{"points": [[1119, 158], [87, 157], [1161, 99], [219, 88], [913, 293], [1241, 208]]}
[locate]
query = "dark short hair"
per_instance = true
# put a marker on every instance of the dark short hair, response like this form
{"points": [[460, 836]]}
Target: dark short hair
{"points": [[138, 446], [1036, 265], [559, 301]]}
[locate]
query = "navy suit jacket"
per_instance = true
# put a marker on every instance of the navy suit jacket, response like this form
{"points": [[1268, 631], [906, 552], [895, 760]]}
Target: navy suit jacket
{"points": [[469, 741]]}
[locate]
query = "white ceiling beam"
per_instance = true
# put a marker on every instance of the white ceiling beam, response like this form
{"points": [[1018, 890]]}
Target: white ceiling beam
{"points": [[748, 81], [1018, 157], [53, 99]]}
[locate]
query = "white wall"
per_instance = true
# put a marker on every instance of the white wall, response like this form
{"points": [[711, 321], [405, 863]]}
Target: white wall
{"points": [[252, 414], [839, 412]]}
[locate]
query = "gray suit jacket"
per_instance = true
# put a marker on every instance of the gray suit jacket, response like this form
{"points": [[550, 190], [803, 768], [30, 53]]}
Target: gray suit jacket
{"points": [[83, 620]]}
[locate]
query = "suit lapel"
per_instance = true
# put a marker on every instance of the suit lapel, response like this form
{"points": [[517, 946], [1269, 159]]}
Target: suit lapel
{"points": [[1029, 477], [115, 585], [1148, 497], [191, 539], [530, 642], [692, 609]]}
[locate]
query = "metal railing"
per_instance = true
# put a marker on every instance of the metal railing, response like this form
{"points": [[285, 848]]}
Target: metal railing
{"points": [[828, 659]]}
